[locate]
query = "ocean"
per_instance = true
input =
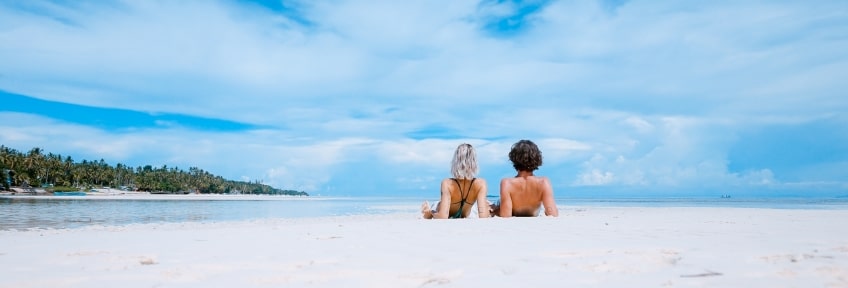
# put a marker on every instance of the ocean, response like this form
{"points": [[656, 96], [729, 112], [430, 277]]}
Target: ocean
{"points": [[54, 212]]}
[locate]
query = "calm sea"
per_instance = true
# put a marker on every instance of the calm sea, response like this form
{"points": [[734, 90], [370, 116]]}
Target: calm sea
{"points": [[73, 212]]}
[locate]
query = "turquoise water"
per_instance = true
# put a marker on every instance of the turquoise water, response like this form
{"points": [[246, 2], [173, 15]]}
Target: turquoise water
{"points": [[74, 212]]}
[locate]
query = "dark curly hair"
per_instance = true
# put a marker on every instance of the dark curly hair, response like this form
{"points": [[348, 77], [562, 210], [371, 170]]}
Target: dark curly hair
{"points": [[525, 156]]}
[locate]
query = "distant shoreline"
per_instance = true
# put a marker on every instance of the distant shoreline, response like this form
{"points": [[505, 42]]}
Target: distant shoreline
{"points": [[139, 196]]}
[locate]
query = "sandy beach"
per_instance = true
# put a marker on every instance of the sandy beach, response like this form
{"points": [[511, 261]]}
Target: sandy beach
{"points": [[585, 246]]}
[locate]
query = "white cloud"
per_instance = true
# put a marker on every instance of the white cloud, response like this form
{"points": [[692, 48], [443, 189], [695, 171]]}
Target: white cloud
{"points": [[758, 177], [652, 94], [595, 178], [639, 124]]}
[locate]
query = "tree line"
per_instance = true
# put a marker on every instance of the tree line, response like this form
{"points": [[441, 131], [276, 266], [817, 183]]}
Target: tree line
{"points": [[37, 169]]}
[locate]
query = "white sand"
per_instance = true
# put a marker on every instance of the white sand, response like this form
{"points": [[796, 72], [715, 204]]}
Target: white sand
{"points": [[607, 247]]}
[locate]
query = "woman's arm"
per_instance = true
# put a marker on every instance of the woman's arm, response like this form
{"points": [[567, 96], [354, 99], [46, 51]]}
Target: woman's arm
{"points": [[482, 203], [506, 200]]}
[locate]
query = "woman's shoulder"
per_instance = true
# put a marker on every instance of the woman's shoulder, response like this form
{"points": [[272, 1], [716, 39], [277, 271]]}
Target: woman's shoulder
{"points": [[452, 180], [479, 181]]}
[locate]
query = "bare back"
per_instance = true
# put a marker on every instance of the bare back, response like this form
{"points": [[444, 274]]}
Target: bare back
{"points": [[462, 193], [523, 195]]}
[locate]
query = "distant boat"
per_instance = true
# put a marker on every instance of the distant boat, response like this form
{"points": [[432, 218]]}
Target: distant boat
{"points": [[725, 196], [74, 193]]}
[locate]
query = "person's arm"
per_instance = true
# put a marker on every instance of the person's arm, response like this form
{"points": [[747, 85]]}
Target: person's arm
{"points": [[548, 198], [482, 204], [506, 200], [443, 209]]}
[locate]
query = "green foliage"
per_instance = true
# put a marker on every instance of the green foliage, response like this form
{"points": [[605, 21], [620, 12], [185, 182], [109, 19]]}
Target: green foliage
{"points": [[35, 168]]}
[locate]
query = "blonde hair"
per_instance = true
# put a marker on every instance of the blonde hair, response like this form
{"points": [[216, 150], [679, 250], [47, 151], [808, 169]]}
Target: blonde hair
{"points": [[464, 163]]}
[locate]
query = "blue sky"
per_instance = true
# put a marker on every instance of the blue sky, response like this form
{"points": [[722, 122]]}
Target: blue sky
{"points": [[371, 97]]}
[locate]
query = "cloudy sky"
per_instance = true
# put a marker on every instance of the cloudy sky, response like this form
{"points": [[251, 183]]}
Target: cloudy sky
{"points": [[372, 97]]}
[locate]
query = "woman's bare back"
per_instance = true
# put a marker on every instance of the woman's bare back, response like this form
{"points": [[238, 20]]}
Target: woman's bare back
{"points": [[461, 195], [458, 196]]}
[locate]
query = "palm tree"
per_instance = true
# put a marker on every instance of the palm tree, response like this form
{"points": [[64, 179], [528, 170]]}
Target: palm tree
{"points": [[32, 162], [68, 168], [52, 163]]}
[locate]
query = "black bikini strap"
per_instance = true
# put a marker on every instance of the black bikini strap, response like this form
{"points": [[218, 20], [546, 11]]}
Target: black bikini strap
{"points": [[463, 197]]}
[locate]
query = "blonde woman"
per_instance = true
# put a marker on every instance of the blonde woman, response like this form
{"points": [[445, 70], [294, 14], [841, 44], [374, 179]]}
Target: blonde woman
{"points": [[460, 192]]}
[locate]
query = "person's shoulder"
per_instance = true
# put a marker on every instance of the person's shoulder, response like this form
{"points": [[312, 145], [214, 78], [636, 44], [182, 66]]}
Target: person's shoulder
{"points": [[535, 179], [543, 182], [479, 183]]}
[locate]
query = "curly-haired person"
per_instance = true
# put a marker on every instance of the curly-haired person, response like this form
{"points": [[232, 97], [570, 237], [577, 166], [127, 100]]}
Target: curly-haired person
{"points": [[525, 193]]}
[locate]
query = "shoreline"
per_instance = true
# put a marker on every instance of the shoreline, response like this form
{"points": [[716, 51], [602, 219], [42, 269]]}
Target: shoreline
{"points": [[34, 212], [587, 246], [148, 196], [565, 199]]}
